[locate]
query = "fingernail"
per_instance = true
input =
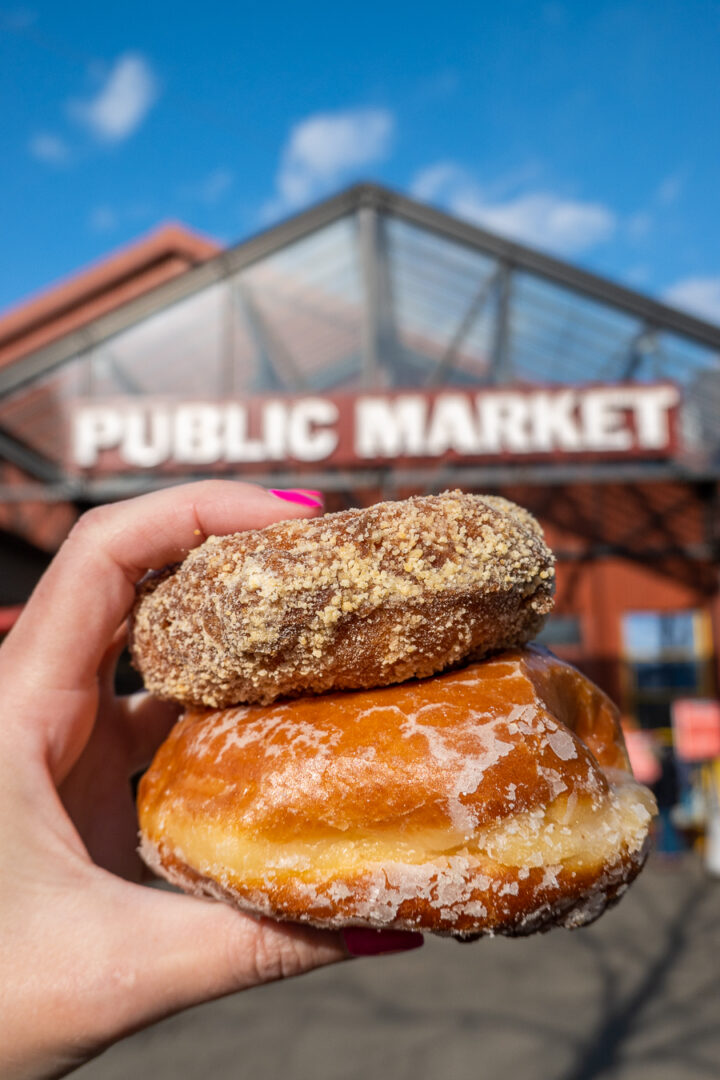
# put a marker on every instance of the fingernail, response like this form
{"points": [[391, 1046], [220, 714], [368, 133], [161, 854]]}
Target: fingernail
{"points": [[295, 495], [376, 942]]}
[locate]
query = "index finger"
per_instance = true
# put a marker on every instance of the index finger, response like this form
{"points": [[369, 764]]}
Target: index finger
{"points": [[89, 588]]}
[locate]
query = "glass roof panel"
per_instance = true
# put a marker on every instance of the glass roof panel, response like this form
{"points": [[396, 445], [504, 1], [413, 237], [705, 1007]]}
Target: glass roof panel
{"points": [[183, 348], [442, 299], [303, 319], [304, 305], [37, 415], [559, 336], [697, 369]]}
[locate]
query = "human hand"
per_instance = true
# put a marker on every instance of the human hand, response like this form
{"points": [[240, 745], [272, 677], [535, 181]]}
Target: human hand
{"points": [[87, 955]]}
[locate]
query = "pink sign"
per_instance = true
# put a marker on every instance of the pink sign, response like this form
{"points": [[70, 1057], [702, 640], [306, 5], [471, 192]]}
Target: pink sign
{"points": [[696, 729], [642, 751]]}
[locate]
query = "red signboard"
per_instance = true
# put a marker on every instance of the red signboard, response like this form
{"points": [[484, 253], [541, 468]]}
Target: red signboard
{"points": [[486, 425], [696, 729], [643, 753]]}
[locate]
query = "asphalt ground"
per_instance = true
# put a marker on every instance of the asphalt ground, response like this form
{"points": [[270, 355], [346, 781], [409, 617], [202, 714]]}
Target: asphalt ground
{"points": [[634, 997]]}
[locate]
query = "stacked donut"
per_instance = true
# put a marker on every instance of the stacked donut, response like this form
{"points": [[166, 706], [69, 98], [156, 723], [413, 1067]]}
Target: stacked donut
{"points": [[369, 740]]}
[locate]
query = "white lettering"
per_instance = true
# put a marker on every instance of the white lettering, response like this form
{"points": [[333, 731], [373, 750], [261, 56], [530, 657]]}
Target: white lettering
{"points": [[389, 429], [146, 442], [607, 419], [310, 434], [504, 423], [96, 428], [275, 426], [553, 424], [652, 408], [238, 447], [197, 434], [603, 417], [452, 426]]}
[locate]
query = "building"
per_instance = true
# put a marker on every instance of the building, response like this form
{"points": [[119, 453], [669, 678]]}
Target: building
{"points": [[373, 347]]}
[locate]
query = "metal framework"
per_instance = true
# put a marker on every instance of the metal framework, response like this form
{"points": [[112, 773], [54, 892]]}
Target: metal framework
{"points": [[377, 200], [388, 480], [468, 296]]}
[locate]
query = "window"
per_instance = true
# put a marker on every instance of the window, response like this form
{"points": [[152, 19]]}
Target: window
{"points": [[561, 630], [667, 655]]}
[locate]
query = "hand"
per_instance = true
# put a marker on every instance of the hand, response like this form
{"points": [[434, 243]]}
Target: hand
{"points": [[87, 955]]}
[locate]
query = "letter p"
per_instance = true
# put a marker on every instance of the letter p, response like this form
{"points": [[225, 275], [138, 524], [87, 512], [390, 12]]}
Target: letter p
{"points": [[95, 428]]}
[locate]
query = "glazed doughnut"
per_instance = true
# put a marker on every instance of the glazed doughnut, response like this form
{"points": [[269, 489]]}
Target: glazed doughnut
{"points": [[496, 798], [363, 598]]}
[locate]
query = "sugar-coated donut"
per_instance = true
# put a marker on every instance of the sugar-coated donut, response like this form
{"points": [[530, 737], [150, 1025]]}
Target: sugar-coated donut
{"points": [[363, 598], [496, 798]]}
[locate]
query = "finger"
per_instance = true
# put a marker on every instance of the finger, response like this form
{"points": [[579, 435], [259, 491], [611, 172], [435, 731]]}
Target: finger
{"points": [[141, 721], [145, 722], [108, 664], [88, 590], [190, 951], [128, 956], [183, 951]]}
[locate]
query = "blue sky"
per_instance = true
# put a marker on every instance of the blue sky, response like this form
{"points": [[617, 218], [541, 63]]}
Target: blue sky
{"points": [[591, 130]]}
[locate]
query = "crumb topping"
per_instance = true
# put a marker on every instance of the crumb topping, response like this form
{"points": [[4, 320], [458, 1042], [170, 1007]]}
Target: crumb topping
{"points": [[349, 600]]}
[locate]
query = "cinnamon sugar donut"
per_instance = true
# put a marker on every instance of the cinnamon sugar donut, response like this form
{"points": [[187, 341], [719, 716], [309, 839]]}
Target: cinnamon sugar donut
{"points": [[492, 799], [363, 598]]}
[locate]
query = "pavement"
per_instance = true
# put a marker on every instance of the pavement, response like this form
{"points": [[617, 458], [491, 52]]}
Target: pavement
{"points": [[634, 997]]}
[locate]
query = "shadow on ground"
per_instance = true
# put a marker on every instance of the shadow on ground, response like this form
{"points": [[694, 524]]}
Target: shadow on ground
{"points": [[634, 997]]}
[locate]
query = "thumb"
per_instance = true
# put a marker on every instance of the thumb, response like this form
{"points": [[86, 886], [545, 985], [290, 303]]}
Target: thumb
{"points": [[171, 952], [127, 956]]}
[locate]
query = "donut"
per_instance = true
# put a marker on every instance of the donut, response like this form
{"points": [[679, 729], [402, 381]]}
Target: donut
{"points": [[358, 599], [495, 798]]}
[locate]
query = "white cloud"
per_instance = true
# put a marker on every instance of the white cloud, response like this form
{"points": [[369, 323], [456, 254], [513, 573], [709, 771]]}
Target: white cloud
{"points": [[211, 189], [670, 190], [49, 148], [638, 275], [440, 86], [539, 218], [103, 219], [215, 185], [325, 148], [127, 94], [548, 221], [430, 183], [643, 222], [699, 295], [640, 224]]}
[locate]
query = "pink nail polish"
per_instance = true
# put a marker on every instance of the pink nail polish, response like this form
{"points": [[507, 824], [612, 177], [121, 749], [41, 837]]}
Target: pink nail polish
{"points": [[361, 942], [295, 495]]}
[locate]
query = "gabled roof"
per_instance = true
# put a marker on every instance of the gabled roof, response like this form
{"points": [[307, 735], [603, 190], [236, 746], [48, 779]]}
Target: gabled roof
{"points": [[112, 281], [366, 290], [513, 256]]}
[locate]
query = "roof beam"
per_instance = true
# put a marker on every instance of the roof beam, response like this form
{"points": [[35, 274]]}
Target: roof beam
{"points": [[438, 478], [116, 370], [27, 459], [501, 355], [353, 199], [225, 264], [465, 325], [275, 358], [524, 258], [379, 333]]}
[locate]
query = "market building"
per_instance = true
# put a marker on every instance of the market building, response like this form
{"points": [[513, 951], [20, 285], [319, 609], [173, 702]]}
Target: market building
{"points": [[373, 347]]}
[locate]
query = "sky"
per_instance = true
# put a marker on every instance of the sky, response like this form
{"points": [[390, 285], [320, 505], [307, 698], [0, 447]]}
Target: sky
{"points": [[589, 130]]}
